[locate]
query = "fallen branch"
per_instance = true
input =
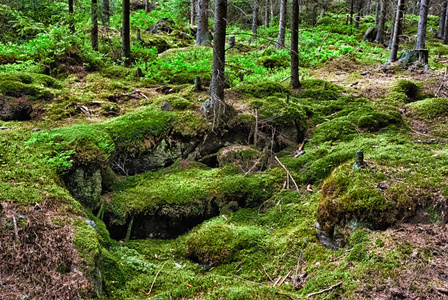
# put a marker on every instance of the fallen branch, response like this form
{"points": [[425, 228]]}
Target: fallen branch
{"points": [[325, 290], [16, 231], [253, 282], [154, 281], [442, 290], [250, 170], [288, 174], [286, 295], [284, 278]]}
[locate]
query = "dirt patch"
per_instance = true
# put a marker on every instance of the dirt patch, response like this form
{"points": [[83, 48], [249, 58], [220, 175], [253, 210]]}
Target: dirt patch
{"points": [[424, 265], [37, 256]]}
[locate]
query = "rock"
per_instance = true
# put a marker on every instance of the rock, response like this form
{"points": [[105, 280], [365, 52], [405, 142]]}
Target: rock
{"points": [[243, 157], [4, 128], [207, 106], [164, 25], [359, 162], [85, 186], [92, 224], [35, 129], [15, 109], [231, 41], [370, 34], [166, 106]]}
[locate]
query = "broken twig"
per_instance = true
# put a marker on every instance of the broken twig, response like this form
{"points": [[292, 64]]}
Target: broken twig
{"points": [[325, 290], [288, 174]]}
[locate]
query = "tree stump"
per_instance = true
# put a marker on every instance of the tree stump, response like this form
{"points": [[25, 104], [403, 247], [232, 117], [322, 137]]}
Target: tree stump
{"points": [[197, 83], [231, 41], [359, 163], [409, 57]]}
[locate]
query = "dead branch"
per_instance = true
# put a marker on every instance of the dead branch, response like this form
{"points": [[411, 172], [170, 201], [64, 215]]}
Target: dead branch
{"points": [[154, 281], [16, 231], [288, 174], [442, 290], [267, 273], [325, 290], [250, 170]]}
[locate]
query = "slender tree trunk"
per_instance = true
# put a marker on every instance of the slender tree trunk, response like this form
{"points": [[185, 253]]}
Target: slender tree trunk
{"points": [[266, 14], [295, 83], [255, 20], [352, 5], [377, 10], [441, 32], [381, 20], [272, 9], [445, 37], [282, 24], [219, 42], [397, 31], [422, 22], [71, 15], [126, 34], [202, 34], [94, 31], [106, 12], [146, 4], [359, 13], [192, 12]]}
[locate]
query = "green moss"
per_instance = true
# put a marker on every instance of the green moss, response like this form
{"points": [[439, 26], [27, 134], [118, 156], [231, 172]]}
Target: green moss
{"points": [[116, 72], [358, 253], [216, 241], [112, 272], [431, 108], [177, 102], [86, 242], [411, 89], [316, 89], [338, 129], [358, 237], [278, 112], [262, 89], [158, 42], [373, 120]]}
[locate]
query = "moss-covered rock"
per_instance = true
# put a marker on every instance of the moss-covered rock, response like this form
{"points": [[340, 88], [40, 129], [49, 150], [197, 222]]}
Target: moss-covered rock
{"points": [[338, 129], [243, 157], [411, 89], [316, 89], [15, 109], [371, 119], [431, 108], [217, 241], [262, 89]]}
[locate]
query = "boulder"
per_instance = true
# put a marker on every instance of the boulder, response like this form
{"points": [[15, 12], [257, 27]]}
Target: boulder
{"points": [[370, 34], [85, 186], [243, 157], [15, 109], [164, 25]]}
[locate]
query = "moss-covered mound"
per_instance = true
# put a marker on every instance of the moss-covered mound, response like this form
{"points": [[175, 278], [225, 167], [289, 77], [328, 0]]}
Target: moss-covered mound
{"points": [[431, 108], [36, 86], [169, 202]]}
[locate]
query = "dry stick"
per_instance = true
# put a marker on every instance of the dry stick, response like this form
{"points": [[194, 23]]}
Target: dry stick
{"points": [[250, 170], [285, 79], [253, 282], [256, 128], [267, 273], [442, 290], [154, 281], [278, 279], [325, 290], [287, 172], [442, 83], [284, 278], [16, 231], [321, 45]]}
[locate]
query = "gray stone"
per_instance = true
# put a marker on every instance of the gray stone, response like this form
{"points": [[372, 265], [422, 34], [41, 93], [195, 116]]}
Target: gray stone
{"points": [[359, 162], [166, 105], [85, 186], [370, 34], [164, 25], [92, 224]]}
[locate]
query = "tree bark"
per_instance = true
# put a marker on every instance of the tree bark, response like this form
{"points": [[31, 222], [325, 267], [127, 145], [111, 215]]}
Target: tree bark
{"points": [[441, 32], [94, 31], [219, 42], [71, 15], [146, 4], [192, 12], [106, 12], [377, 9], [381, 20], [445, 37], [422, 22], [397, 31], [282, 24], [255, 20], [352, 5], [295, 83], [359, 13], [266, 14], [126, 34], [202, 34]]}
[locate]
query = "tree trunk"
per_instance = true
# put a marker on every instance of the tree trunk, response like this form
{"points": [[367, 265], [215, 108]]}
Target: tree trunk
{"points": [[146, 4], [219, 42], [282, 24], [445, 37], [381, 20], [266, 14], [359, 13], [422, 22], [202, 34], [106, 12], [441, 32], [255, 20], [377, 9], [397, 31], [126, 34], [94, 31], [192, 12], [272, 9], [352, 5], [295, 83], [71, 15]]}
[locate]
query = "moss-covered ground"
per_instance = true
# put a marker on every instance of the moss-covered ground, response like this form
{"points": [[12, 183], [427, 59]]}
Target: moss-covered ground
{"points": [[240, 229]]}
